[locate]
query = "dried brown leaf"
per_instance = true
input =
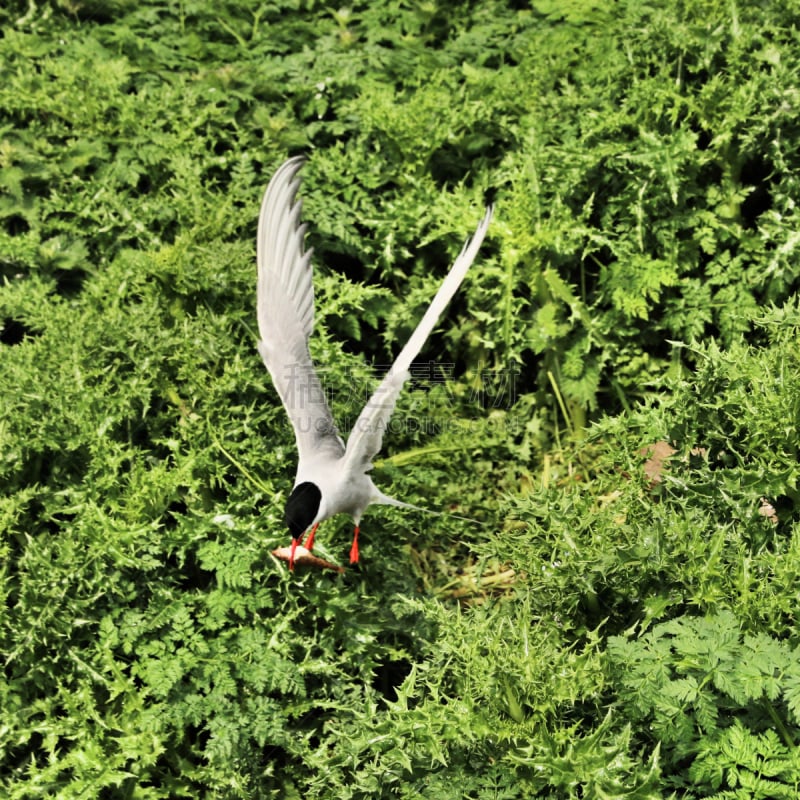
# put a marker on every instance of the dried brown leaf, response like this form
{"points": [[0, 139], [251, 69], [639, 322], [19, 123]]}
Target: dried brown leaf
{"points": [[657, 455], [766, 509]]}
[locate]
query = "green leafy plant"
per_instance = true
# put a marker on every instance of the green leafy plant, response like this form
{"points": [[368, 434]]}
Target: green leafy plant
{"points": [[728, 702], [635, 296]]}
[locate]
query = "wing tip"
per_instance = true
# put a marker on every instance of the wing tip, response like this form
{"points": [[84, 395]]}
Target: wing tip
{"points": [[487, 217]]}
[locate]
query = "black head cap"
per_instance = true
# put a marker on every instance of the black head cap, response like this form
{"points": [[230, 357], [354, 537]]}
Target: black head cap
{"points": [[301, 508]]}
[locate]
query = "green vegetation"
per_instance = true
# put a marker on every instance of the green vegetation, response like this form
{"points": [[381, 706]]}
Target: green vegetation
{"points": [[615, 397]]}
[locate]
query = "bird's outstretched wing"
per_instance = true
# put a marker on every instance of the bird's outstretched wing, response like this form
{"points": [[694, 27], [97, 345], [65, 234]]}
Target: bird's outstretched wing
{"points": [[285, 301], [367, 434]]}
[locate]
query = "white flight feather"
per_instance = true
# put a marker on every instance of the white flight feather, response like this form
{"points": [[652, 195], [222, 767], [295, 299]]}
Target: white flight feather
{"points": [[285, 305]]}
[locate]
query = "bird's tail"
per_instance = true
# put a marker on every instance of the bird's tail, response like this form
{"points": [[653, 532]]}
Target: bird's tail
{"points": [[384, 499]]}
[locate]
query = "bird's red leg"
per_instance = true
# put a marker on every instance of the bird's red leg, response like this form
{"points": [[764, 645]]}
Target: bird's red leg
{"points": [[354, 547], [291, 553], [309, 543]]}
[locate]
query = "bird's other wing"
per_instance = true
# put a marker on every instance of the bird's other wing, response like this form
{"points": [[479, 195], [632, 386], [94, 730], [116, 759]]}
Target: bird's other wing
{"points": [[285, 305], [367, 434]]}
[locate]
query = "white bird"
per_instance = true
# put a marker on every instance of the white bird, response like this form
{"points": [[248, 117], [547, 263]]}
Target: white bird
{"points": [[331, 478]]}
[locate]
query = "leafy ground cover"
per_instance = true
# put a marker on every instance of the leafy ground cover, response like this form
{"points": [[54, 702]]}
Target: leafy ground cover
{"points": [[614, 397]]}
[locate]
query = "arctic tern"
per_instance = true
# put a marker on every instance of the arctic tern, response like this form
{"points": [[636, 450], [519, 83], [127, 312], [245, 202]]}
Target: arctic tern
{"points": [[331, 478]]}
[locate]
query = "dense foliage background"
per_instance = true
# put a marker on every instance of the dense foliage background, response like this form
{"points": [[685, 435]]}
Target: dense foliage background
{"points": [[614, 396]]}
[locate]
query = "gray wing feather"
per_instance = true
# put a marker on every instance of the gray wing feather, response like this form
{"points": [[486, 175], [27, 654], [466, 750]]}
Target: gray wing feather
{"points": [[285, 305], [367, 434]]}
